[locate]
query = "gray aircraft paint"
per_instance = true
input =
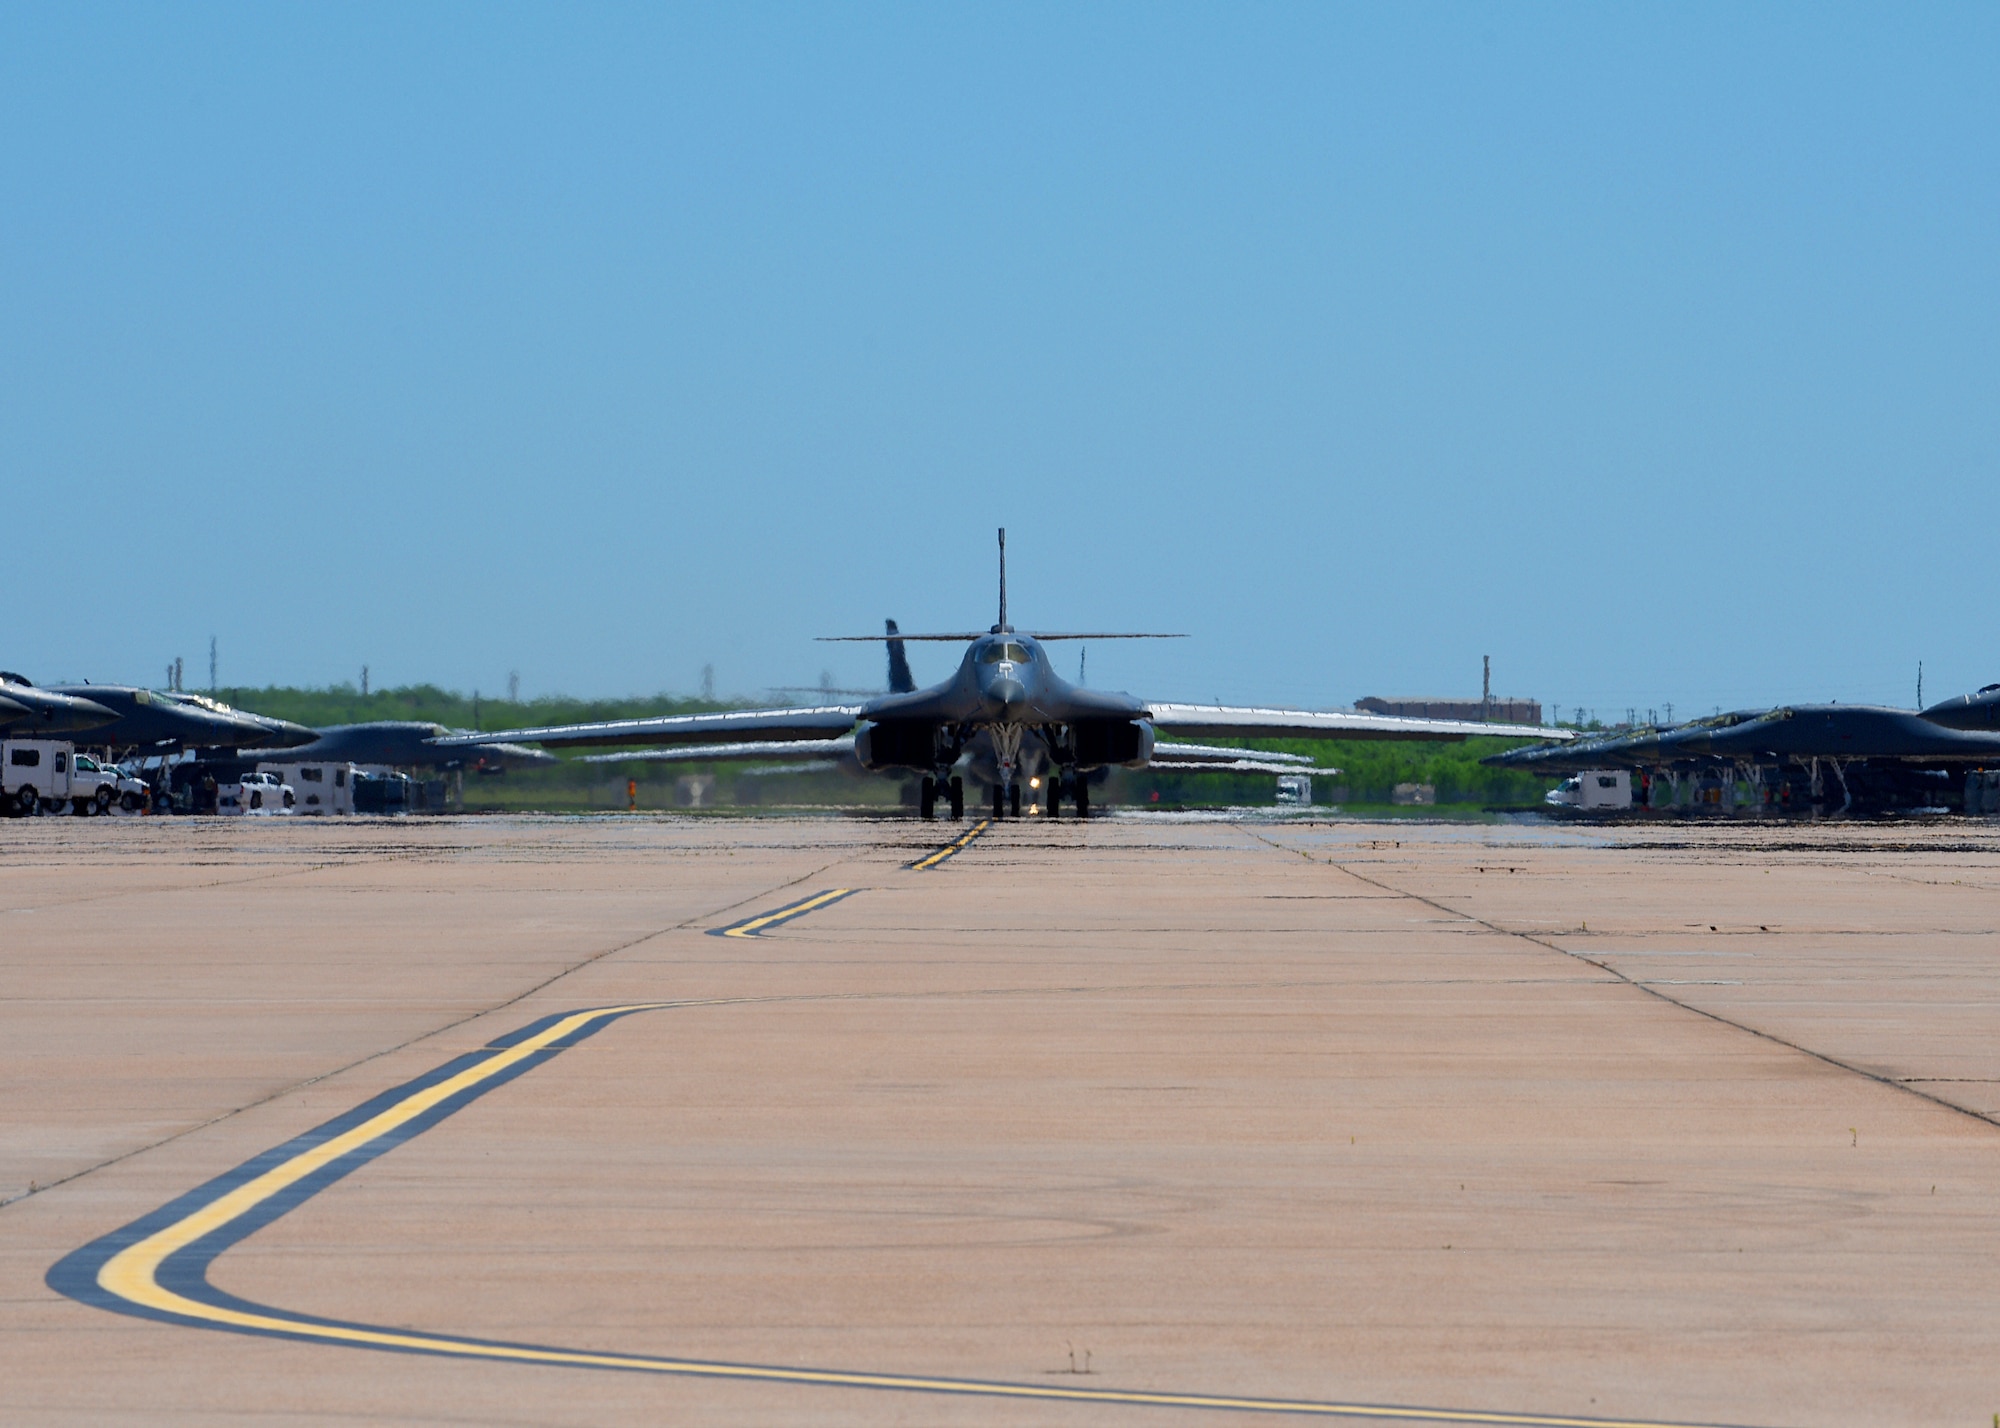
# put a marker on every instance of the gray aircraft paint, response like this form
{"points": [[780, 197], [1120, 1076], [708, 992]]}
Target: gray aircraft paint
{"points": [[1003, 717], [27, 712], [410, 743], [156, 721], [1793, 732]]}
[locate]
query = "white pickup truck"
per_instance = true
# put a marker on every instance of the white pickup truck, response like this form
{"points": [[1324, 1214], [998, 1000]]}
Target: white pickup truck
{"points": [[95, 786], [258, 793]]}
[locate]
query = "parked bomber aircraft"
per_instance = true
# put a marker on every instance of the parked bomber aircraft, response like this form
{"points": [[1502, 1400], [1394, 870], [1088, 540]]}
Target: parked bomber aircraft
{"points": [[1795, 732], [1870, 756], [1004, 718], [402, 743], [1968, 711], [153, 721], [30, 713]]}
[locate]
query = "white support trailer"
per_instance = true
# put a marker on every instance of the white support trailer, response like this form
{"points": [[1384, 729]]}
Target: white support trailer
{"points": [[1594, 791], [36, 774], [318, 788]]}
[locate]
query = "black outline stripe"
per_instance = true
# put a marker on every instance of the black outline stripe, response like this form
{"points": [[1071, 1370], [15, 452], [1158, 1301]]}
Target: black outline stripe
{"points": [[938, 857], [764, 921], [182, 1274]]}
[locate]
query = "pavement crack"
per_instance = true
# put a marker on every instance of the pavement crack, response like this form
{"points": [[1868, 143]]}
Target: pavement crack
{"points": [[1651, 989], [37, 1188]]}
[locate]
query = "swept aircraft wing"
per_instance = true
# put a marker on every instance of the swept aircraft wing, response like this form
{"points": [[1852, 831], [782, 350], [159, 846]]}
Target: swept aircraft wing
{"points": [[789, 726], [729, 753], [1223, 721]]}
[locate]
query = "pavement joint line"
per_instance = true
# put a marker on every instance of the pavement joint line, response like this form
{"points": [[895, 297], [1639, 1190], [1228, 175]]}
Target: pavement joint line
{"points": [[453, 1024], [157, 1266], [1651, 989], [764, 921], [940, 856]]}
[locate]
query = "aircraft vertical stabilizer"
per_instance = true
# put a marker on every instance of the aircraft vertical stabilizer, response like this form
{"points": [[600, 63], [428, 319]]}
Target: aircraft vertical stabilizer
{"points": [[901, 681]]}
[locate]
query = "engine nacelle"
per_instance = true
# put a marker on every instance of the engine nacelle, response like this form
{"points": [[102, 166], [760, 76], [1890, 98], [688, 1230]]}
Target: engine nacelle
{"points": [[898, 744], [1100, 743]]}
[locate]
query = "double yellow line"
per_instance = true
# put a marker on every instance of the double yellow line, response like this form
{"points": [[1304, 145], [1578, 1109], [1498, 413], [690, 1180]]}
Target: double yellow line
{"points": [[955, 846], [157, 1267], [756, 926]]}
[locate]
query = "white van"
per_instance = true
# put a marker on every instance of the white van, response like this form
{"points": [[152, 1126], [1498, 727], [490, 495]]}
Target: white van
{"points": [[319, 788], [36, 774]]}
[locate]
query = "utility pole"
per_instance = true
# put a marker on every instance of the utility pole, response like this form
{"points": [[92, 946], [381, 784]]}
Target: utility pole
{"points": [[211, 665], [1486, 687], [1920, 684]]}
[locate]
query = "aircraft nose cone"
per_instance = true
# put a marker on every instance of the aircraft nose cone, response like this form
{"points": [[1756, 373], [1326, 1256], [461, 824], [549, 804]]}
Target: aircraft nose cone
{"points": [[291, 736], [1006, 696]]}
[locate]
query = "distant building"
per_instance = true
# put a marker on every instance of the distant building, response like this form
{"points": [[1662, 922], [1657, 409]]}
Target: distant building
{"points": [[1497, 711]]}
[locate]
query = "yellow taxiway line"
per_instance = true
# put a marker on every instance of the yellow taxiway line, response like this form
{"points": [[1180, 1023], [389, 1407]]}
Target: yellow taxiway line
{"points": [[954, 847], [763, 921], [157, 1267]]}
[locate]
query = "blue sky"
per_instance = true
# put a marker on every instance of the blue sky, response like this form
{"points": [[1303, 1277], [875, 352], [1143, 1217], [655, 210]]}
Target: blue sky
{"points": [[1653, 351]]}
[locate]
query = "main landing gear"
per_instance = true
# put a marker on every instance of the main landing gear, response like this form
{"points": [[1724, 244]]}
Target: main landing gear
{"points": [[927, 795]]}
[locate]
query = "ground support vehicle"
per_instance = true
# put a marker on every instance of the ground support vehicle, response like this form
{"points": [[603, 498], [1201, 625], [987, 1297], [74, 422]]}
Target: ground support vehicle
{"points": [[259, 794], [1593, 791], [321, 787], [36, 774], [98, 787]]}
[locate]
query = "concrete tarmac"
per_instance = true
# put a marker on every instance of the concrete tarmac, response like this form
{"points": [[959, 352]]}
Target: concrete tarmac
{"points": [[1474, 1124]]}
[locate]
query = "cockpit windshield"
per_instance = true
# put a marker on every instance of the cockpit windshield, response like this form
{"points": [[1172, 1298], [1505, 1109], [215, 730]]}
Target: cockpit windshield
{"points": [[1000, 651]]}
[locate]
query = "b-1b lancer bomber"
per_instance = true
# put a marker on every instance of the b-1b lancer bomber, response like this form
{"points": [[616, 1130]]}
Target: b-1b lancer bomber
{"points": [[29, 713], [1005, 718], [1869, 756]]}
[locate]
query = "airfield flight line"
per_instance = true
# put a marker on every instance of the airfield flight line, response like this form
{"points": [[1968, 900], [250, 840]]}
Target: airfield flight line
{"points": [[1003, 721], [1148, 1119]]}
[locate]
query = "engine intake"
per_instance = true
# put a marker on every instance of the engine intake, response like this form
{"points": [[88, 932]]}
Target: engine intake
{"points": [[1100, 743], [898, 744]]}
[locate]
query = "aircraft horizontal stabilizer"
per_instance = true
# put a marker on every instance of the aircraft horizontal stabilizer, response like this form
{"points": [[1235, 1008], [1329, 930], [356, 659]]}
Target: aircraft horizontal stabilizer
{"points": [[1252, 764], [1184, 755], [963, 638]]}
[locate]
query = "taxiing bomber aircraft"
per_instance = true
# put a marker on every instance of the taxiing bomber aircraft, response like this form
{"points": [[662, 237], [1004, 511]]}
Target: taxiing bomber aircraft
{"points": [[1003, 719]]}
